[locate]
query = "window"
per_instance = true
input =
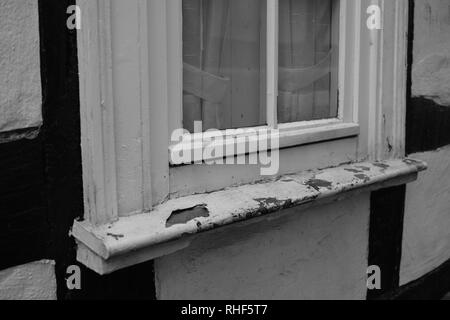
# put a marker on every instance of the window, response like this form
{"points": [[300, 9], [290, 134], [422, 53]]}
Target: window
{"points": [[308, 70], [315, 77], [272, 64], [225, 55], [308, 54], [224, 63]]}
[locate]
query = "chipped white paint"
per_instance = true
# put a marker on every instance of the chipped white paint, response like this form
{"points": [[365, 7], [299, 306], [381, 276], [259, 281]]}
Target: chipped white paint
{"points": [[149, 230], [33, 281], [426, 240], [20, 81], [123, 131], [431, 68], [316, 254], [131, 77]]}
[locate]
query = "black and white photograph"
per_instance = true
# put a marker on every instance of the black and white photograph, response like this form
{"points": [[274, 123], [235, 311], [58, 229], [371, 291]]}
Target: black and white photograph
{"points": [[225, 156]]}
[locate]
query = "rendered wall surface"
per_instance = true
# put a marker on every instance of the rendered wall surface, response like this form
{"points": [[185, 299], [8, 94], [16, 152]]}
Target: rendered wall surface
{"points": [[20, 80], [426, 243], [319, 253], [431, 68], [33, 281]]}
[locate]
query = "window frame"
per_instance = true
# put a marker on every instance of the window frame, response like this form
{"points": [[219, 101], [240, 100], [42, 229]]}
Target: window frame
{"points": [[126, 79], [292, 134]]}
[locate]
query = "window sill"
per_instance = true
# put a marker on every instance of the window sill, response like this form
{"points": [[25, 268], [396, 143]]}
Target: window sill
{"points": [[171, 226]]}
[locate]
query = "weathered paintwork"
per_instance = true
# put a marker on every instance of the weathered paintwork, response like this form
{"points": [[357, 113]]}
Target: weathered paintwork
{"points": [[320, 253], [237, 204]]}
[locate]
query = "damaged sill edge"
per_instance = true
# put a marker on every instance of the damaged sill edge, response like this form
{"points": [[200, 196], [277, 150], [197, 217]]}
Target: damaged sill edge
{"points": [[171, 226]]}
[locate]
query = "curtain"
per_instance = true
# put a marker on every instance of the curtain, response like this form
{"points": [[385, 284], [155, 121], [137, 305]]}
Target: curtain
{"points": [[224, 44], [305, 58], [223, 52], [204, 31]]}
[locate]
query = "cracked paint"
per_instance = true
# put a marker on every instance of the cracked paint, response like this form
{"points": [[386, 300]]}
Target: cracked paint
{"points": [[115, 236], [270, 202], [363, 177], [381, 165], [183, 216], [317, 184], [411, 162], [265, 204]]}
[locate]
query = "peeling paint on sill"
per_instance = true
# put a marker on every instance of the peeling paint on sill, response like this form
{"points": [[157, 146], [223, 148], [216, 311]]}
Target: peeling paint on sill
{"points": [[183, 216], [316, 184], [157, 233]]}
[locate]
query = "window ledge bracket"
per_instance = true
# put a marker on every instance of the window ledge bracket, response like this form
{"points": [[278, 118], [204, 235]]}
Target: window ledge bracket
{"points": [[172, 226]]}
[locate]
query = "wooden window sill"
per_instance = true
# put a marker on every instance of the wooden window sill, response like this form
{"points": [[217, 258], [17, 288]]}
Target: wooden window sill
{"points": [[172, 226]]}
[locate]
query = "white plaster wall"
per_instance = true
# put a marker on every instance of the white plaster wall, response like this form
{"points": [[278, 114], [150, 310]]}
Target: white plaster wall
{"points": [[431, 67], [426, 243], [316, 254], [20, 82], [33, 281], [426, 239]]}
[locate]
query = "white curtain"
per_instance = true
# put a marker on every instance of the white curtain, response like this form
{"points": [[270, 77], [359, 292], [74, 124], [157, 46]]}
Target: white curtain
{"points": [[305, 58], [224, 61], [204, 31]]}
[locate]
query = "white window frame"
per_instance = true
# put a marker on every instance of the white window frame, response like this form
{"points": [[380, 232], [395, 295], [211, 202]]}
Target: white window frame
{"points": [[127, 82], [290, 134]]}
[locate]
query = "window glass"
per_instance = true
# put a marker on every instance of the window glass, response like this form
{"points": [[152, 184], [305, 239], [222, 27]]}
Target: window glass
{"points": [[224, 44], [224, 62], [307, 85]]}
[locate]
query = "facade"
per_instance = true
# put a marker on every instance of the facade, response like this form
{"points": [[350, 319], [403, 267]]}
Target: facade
{"points": [[351, 97]]}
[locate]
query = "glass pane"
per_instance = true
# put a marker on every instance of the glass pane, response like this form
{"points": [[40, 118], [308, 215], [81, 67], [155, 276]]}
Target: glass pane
{"points": [[224, 63], [307, 53]]}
